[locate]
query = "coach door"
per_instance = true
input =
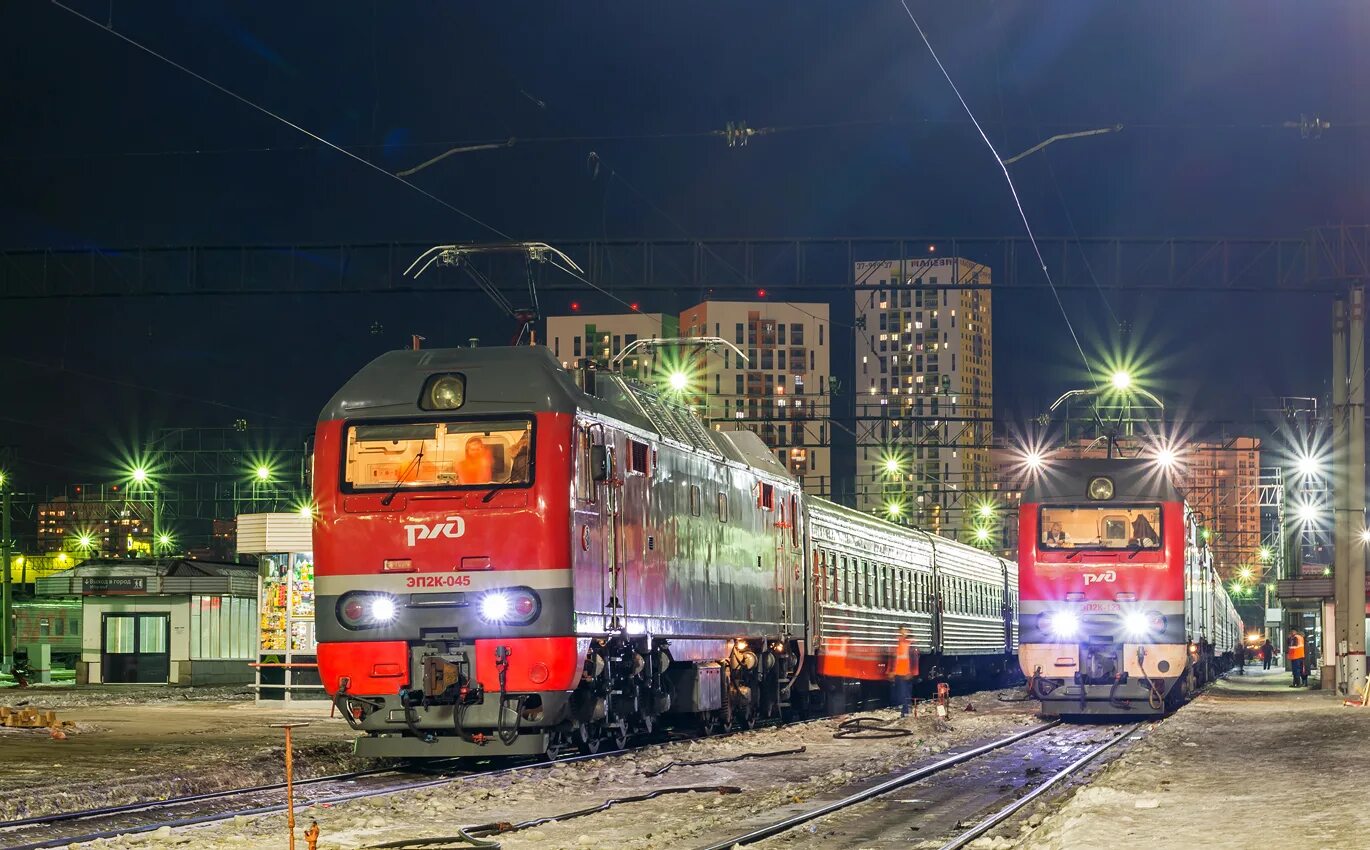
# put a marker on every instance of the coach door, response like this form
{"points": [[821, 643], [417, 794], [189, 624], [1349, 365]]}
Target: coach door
{"points": [[135, 648]]}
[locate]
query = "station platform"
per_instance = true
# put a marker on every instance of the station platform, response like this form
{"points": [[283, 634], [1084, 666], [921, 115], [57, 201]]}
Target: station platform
{"points": [[1251, 763]]}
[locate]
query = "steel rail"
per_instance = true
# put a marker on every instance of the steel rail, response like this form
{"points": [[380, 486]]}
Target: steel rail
{"points": [[123, 808], [1013, 808], [876, 790]]}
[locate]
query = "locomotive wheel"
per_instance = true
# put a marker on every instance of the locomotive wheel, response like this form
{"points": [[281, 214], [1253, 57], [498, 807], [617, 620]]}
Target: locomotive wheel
{"points": [[708, 723], [618, 737], [587, 737]]}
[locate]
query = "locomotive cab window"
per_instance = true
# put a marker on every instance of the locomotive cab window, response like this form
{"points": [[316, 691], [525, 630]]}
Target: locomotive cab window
{"points": [[438, 455], [1100, 527]]}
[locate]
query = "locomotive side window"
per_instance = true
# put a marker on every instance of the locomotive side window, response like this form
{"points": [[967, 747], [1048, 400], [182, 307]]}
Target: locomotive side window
{"points": [[766, 497], [585, 473], [637, 457], [1100, 526], [438, 455]]}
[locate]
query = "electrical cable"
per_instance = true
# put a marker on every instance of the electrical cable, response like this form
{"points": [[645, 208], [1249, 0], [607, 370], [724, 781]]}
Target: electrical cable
{"points": [[1012, 188], [869, 728], [744, 757]]}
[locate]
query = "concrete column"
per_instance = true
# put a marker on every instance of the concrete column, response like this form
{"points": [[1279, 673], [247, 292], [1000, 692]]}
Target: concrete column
{"points": [[1350, 579], [1335, 632]]}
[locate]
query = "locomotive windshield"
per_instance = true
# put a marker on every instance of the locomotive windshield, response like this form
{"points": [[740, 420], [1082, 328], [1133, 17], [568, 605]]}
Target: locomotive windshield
{"points": [[1101, 527], [438, 455]]}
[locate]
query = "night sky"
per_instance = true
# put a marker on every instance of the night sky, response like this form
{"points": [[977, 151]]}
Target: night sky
{"points": [[104, 146]]}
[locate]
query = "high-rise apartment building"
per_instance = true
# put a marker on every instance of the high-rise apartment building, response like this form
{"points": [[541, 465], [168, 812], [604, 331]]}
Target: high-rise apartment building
{"points": [[924, 390], [601, 338], [780, 390]]}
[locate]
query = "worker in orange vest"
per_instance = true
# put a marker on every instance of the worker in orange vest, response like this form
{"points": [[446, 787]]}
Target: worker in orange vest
{"points": [[901, 673], [1297, 663]]}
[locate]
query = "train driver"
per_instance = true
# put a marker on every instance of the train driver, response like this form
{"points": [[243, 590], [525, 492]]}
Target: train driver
{"points": [[1143, 533], [477, 467], [1056, 536]]}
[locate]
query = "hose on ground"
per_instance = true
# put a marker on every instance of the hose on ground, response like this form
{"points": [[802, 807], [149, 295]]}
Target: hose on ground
{"points": [[869, 728], [474, 836], [743, 757]]}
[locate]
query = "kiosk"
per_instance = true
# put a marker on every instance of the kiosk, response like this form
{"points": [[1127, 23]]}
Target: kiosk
{"points": [[286, 664]]}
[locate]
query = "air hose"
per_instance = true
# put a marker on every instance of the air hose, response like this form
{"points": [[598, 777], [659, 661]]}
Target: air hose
{"points": [[506, 736], [869, 728], [743, 757], [1153, 694]]}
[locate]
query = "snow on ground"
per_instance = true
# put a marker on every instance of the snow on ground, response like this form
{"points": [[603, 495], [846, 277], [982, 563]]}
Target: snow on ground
{"points": [[1251, 763], [179, 742], [666, 822]]}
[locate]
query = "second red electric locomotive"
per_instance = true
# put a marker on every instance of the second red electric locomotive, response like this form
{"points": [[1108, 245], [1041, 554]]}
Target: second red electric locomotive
{"points": [[1121, 610]]}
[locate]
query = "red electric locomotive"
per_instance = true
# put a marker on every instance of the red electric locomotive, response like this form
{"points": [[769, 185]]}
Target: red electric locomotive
{"points": [[1121, 609], [498, 551]]}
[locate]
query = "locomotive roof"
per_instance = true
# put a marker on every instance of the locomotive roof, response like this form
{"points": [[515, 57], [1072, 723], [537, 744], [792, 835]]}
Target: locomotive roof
{"points": [[1066, 480], [528, 379]]}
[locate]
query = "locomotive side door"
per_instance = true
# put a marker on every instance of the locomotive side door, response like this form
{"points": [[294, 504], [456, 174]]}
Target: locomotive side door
{"points": [[592, 528]]}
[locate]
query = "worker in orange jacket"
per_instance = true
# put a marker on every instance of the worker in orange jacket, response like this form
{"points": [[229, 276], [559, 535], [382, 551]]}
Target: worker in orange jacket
{"points": [[1297, 663], [901, 673]]}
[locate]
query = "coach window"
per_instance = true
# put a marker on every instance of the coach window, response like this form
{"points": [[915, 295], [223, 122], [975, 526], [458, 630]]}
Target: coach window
{"points": [[794, 521], [695, 499], [832, 575], [722, 507]]}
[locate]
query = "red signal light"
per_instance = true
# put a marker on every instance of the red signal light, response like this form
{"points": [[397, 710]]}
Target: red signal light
{"points": [[633, 306], [575, 306], [761, 293], [353, 610], [523, 605]]}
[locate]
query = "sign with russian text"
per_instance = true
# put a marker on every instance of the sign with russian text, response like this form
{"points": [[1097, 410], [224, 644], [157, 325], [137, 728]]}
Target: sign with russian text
{"points": [[95, 585]]}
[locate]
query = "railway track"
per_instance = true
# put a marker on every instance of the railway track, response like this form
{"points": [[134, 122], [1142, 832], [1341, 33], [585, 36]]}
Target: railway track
{"points": [[62, 828], [953, 800]]}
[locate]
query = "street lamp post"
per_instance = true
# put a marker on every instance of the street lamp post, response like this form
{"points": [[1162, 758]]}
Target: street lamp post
{"points": [[6, 590]]}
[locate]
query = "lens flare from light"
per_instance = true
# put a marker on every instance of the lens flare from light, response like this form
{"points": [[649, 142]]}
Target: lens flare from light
{"points": [[1121, 379], [678, 381]]}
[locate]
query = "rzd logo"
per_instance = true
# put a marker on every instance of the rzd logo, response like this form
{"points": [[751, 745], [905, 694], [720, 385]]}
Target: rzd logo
{"points": [[455, 526], [1090, 578]]}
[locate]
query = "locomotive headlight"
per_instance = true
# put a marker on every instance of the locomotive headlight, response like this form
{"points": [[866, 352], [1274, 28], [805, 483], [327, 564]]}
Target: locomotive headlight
{"points": [[494, 607], [1064, 624], [366, 610], [1137, 623], [444, 392], [382, 609], [516, 606]]}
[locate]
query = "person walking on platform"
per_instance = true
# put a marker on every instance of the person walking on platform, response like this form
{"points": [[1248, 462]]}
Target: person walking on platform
{"points": [[1267, 653], [1296, 659], [901, 673]]}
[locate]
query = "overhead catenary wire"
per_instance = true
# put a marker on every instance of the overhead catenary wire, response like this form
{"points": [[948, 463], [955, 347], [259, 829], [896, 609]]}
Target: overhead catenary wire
{"points": [[320, 139], [1013, 190], [287, 122]]}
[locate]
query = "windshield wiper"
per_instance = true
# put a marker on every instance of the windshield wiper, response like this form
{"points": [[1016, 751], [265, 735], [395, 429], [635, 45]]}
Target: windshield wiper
{"points": [[399, 482]]}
